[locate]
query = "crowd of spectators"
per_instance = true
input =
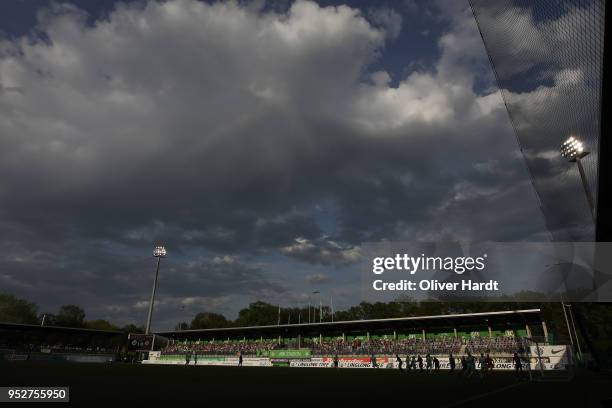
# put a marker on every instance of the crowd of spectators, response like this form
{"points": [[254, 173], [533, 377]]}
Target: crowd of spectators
{"points": [[389, 346], [221, 347], [413, 345], [438, 345], [497, 344]]}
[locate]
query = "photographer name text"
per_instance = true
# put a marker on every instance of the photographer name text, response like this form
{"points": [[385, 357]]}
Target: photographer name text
{"points": [[414, 264], [435, 285]]}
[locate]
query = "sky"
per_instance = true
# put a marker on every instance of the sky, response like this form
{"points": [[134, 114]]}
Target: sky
{"points": [[263, 143]]}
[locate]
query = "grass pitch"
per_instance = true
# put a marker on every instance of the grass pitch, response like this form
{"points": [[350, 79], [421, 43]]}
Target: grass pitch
{"points": [[118, 383]]}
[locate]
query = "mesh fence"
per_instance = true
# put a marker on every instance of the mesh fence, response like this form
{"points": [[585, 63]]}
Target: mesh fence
{"points": [[547, 57]]}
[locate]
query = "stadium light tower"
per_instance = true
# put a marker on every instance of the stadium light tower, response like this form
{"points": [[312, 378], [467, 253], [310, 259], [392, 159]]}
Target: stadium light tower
{"points": [[316, 292], [159, 252], [573, 151]]}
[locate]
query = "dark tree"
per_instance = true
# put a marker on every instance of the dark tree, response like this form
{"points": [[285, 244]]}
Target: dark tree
{"points": [[70, 316], [258, 314], [14, 310], [207, 320], [101, 324]]}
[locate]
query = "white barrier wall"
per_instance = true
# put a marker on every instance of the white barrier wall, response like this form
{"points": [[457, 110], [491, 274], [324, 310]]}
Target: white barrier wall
{"points": [[551, 357], [212, 361]]}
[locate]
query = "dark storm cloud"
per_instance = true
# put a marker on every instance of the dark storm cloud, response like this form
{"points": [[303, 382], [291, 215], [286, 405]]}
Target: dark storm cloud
{"points": [[113, 285], [218, 130], [218, 276]]}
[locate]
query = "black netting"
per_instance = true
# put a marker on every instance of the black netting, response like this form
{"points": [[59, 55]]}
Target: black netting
{"points": [[547, 56]]}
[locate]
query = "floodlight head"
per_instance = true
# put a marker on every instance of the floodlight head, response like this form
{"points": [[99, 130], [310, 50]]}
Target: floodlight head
{"points": [[159, 252], [572, 149]]}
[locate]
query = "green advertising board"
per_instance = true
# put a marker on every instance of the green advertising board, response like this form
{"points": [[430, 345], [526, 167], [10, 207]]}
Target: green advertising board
{"points": [[290, 353]]}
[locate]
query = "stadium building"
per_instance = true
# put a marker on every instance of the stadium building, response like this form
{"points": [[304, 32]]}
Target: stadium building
{"points": [[52, 343], [370, 343]]}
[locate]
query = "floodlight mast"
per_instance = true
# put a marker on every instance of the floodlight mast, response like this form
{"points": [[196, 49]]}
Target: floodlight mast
{"points": [[159, 252], [573, 150], [316, 292]]}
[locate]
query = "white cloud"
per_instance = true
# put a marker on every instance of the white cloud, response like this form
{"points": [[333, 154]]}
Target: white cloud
{"points": [[181, 75], [185, 76], [207, 100], [323, 251]]}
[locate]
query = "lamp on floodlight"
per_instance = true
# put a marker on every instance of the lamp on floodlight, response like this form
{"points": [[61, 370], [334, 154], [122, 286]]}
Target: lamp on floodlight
{"points": [[573, 151], [159, 252]]}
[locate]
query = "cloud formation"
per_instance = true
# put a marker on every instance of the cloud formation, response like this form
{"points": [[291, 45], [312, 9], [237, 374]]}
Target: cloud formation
{"points": [[221, 130]]}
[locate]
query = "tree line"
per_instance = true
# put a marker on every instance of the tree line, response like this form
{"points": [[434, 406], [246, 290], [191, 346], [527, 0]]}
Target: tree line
{"points": [[595, 318], [16, 310]]}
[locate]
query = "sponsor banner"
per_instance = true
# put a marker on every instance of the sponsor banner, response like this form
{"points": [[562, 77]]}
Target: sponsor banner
{"points": [[181, 358], [553, 352], [280, 362], [551, 358], [249, 362], [556, 357], [214, 361], [390, 362], [291, 353], [313, 362], [358, 362], [499, 363]]}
